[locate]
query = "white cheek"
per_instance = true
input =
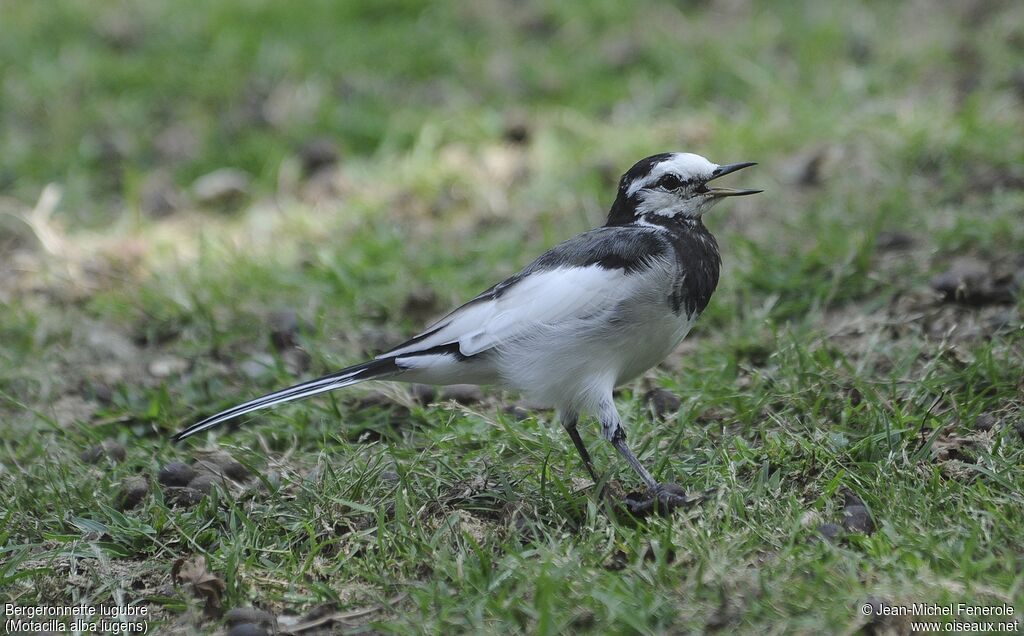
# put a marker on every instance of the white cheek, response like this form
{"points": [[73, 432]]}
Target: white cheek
{"points": [[669, 204], [703, 204]]}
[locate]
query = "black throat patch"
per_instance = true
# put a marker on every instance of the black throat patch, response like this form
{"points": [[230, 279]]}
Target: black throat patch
{"points": [[699, 266], [697, 258]]}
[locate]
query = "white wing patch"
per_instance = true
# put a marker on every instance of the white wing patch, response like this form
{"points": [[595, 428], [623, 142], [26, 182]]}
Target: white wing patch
{"points": [[540, 299]]}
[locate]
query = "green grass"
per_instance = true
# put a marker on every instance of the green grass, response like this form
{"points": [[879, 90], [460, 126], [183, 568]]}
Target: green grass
{"points": [[823, 365]]}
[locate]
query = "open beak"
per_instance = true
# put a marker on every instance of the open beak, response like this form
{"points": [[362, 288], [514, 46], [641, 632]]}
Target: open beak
{"points": [[729, 168]]}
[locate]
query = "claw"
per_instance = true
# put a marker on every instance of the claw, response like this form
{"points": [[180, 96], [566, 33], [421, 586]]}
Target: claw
{"points": [[660, 500]]}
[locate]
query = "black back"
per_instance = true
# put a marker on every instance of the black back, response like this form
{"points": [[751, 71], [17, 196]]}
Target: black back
{"points": [[632, 248]]}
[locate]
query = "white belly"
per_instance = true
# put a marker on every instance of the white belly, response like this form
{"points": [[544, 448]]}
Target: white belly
{"points": [[650, 344], [573, 367]]}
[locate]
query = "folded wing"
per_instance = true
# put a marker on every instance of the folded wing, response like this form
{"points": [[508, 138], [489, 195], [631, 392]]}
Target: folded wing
{"points": [[576, 280]]}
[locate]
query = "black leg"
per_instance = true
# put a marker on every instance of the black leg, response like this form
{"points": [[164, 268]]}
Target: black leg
{"points": [[661, 498], [619, 442], [569, 424], [611, 427]]}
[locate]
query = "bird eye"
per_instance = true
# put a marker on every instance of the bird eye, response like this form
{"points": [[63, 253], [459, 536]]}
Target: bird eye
{"points": [[670, 182]]}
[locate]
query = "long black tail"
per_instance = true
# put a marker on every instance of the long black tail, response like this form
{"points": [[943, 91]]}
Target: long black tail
{"points": [[345, 377]]}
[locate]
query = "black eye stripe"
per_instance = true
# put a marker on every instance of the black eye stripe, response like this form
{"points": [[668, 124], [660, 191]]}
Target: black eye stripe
{"points": [[673, 182]]}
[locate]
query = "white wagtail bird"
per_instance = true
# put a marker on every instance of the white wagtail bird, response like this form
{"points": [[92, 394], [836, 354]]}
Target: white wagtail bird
{"points": [[590, 314]]}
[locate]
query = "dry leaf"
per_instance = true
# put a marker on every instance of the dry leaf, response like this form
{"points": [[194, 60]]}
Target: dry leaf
{"points": [[204, 584]]}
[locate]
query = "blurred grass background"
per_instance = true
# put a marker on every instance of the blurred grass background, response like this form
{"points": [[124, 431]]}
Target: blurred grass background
{"points": [[97, 95], [355, 169]]}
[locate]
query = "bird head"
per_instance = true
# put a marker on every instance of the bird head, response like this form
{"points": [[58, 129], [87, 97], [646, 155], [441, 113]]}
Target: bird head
{"points": [[671, 187]]}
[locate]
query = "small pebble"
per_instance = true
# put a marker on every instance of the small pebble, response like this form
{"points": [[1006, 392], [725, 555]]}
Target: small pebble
{"points": [[516, 132], [421, 303], [969, 281], [166, 366], [225, 187], [235, 470], [187, 497], [424, 393], [204, 482], [662, 402], [857, 519], [109, 448], [176, 474], [893, 240], [247, 629], [518, 413], [830, 531], [985, 422], [247, 615], [463, 393], [806, 169], [158, 195], [99, 390], [318, 153], [133, 491], [284, 327], [296, 360], [222, 463], [850, 498]]}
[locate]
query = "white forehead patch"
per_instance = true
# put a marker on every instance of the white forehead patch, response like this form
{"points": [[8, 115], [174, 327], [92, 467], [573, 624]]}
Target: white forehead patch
{"points": [[685, 164]]}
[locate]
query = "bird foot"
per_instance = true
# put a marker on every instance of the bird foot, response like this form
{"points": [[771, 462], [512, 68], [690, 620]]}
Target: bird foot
{"points": [[662, 499]]}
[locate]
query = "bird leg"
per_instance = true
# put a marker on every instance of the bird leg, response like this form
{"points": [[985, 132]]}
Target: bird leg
{"points": [[569, 424], [659, 497], [619, 442]]}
